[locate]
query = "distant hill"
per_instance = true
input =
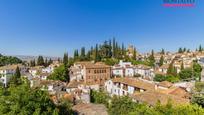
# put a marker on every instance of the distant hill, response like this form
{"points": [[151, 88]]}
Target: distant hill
{"points": [[6, 60], [28, 58]]}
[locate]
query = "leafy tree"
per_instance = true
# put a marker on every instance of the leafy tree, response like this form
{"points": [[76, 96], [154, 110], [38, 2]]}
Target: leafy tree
{"points": [[198, 96], [99, 97], [6, 60], [121, 105], [172, 78], [197, 70], [171, 69], [110, 61], [21, 100], [16, 79], [186, 74], [59, 74], [159, 78], [198, 99]]}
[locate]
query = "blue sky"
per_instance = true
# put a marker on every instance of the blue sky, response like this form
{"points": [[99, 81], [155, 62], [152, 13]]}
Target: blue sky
{"points": [[52, 27]]}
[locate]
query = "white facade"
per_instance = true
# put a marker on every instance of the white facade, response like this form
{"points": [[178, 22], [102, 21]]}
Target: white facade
{"points": [[6, 72], [48, 70], [144, 71], [33, 72], [121, 89], [123, 69]]}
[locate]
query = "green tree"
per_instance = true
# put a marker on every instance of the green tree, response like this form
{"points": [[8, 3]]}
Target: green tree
{"points": [[200, 49], [186, 74], [151, 58], [162, 51], [97, 56], [59, 74], [22, 100], [65, 59], [32, 63], [172, 78], [161, 61], [46, 62], [159, 78], [121, 106], [76, 54], [180, 50], [16, 78], [40, 61], [83, 54], [182, 66], [134, 53], [7, 60], [114, 48], [99, 97], [171, 69], [50, 61]]}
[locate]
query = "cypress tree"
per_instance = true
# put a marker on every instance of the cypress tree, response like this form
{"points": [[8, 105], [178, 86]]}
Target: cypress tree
{"points": [[76, 54], [46, 63], [134, 53], [82, 56], [180, 50], [40, 61], [97, 56], [151, 58], [114, 48], [65, 63], [16, 80], [50, 61], [123, 49], [171, 70], [200, 48], [65, 59], [162, 51], [182, 66], [161, 61], [110, 49]]}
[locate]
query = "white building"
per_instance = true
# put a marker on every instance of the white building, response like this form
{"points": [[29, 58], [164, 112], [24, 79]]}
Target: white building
{"points": [[35, 70], [123, 69], [125, 86], [144, 71], [6, 72], [47, 69]]}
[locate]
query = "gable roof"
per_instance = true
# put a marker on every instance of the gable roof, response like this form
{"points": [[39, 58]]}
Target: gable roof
{"points": [[152, 97], [135, 83]]}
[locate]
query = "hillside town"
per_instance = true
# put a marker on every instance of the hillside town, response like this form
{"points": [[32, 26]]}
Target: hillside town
{"points": [[168, 76]]}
